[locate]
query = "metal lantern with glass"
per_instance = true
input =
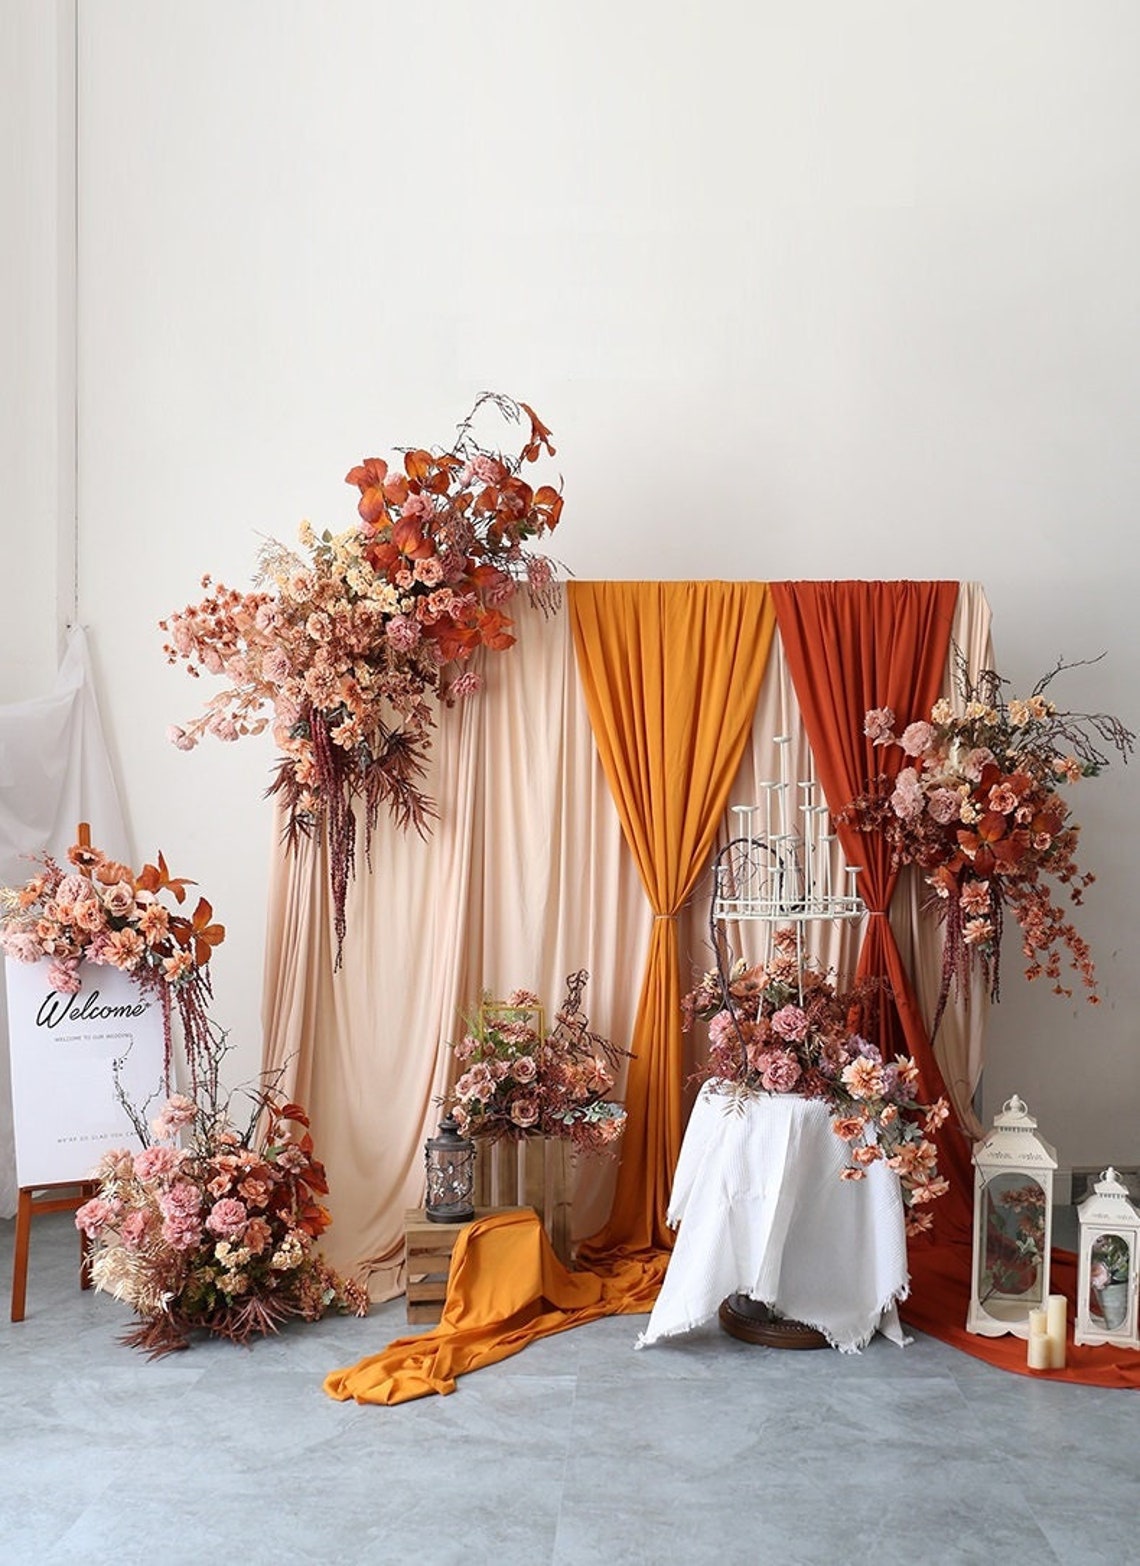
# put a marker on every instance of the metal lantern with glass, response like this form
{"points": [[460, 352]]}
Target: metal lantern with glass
{"points": [[449, 1160], [1106, 1270], [1013, 1224]]}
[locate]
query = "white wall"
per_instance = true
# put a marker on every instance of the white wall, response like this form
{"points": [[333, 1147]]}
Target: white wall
{"points": [[814, 290]]}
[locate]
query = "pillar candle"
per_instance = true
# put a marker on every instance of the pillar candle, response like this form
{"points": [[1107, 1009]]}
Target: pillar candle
{"points": [[1038, 1349], [1055, 1308]]}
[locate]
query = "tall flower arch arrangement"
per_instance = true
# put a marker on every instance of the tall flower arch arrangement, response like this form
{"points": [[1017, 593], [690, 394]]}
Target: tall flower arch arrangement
{"points": [[979, 808], [348, 646]]}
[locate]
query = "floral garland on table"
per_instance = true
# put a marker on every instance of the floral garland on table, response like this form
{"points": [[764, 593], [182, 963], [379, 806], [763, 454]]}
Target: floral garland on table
{"points": [[519, 1080], [784, 1028], [351, 643], [103, 912], [977, 809]]}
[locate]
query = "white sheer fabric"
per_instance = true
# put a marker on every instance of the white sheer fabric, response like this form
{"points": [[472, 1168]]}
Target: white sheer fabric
{"points": [[54, 773], [524, 879]]}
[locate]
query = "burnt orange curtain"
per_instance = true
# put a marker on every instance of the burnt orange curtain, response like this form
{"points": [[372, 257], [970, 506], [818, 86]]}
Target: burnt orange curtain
{"points": [[851, 646], [671, 672]]}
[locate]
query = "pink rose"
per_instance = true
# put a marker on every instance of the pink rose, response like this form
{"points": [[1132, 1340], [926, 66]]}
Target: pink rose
{"points": [[524, 1069], [524, 1112], [403, 633], [183, 1200], [119, 899]]}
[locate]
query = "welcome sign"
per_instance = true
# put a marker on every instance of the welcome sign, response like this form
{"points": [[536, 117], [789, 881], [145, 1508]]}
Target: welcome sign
{"points": [[63, 1050]]}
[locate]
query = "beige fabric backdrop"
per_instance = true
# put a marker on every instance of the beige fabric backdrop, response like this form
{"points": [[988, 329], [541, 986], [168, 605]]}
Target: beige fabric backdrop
{"points": [[524, 879]]}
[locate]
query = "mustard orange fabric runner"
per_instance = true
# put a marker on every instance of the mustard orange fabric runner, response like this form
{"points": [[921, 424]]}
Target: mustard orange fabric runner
{"points": [[506, 1288]]}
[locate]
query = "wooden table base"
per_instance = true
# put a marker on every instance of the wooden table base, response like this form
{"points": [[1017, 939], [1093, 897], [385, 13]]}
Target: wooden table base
{"points": [[753, 1322]]}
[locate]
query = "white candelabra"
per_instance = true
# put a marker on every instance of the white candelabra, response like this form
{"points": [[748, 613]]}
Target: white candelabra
{"points": [[777, 869]]}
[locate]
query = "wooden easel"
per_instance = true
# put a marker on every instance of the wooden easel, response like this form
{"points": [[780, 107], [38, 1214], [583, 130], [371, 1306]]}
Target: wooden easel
{"points": [[31, 1202]]}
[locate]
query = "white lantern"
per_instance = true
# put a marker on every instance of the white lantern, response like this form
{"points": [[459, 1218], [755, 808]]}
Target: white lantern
{"points": [[1013, 1224], [1106, 1271]]}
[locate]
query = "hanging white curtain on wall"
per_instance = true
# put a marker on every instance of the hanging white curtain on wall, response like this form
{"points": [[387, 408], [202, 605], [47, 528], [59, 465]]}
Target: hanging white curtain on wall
{"points": [[524, 879], [54, 773]]}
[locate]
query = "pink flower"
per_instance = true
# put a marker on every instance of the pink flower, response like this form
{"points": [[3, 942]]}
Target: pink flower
{"points": [[275, 666], [183, 1200], [428, 571], [119, 900], [791, 1023], [155, 1163], [976, 931], [182, 1233], [403, 633], [879, 725], [974, 761], [222, 727], [22, 945], [1003, 798], [1098, 1275], [469, 683], [524, 1112], [134, 1229], [917, 738], [94, 1216], [63, 976], [907, 800], [176, 966], [944, 805], [178, 1111], [122, 949], [227, 1218], [975, 897], [782, 1071], [179, 737], [524, 1069]]}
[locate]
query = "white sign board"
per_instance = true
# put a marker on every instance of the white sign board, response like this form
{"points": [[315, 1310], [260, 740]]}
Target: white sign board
{"points": [[64, 1107]]}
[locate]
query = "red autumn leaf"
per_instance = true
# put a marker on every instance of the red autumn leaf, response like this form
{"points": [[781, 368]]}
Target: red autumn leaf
{"points": [[407, 535], [539, 435], [293, 1112], [369, 478], [157, 878], [992, 826], [418, 464], [204, 933], [493, 630], [455, 642], [383, 558]]}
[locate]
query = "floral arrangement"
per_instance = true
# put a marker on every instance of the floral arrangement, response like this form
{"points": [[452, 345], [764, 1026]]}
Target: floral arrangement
{"points": [[1015, 1240], [349, 644], [519, 1080], [101, 911], [978, 809], [219, 1234], [784, 1028]]}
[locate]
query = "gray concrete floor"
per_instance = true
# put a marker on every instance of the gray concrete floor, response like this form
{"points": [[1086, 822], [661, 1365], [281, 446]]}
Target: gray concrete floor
{"points": [[577, 1450]]}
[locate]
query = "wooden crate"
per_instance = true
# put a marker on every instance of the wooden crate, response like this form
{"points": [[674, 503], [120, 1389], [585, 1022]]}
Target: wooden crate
{"points": [[427, 1261], [534, 1172]]}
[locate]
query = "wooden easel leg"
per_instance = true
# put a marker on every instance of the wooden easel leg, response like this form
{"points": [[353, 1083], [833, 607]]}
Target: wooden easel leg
{"points": [[20, 1258]]}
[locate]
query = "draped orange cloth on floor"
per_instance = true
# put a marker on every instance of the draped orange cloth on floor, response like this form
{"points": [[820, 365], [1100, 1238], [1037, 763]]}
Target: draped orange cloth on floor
{"points": [[671, 674], [505, 1289], [851, 646]]}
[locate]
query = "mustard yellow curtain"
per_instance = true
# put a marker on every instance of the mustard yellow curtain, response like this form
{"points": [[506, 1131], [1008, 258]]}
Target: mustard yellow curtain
{"points": [[670, 672]]}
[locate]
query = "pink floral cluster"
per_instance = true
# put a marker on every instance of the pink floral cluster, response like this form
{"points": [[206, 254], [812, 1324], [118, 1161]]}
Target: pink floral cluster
{"points": [[783, 1028], [103, 912], [976, 807], [350, 645], [218, 1234], [518, 1080]]}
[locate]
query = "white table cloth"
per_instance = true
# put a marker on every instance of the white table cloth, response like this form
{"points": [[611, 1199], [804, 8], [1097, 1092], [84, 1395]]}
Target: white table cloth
{"points": [[763, 1212]]}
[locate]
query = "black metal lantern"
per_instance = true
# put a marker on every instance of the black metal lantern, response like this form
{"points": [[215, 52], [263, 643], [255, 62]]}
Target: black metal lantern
{"points": [[449, 1159]]}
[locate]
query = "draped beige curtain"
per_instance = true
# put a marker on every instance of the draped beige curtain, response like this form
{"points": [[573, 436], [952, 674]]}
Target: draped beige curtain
{"points": [[525, 878]]}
